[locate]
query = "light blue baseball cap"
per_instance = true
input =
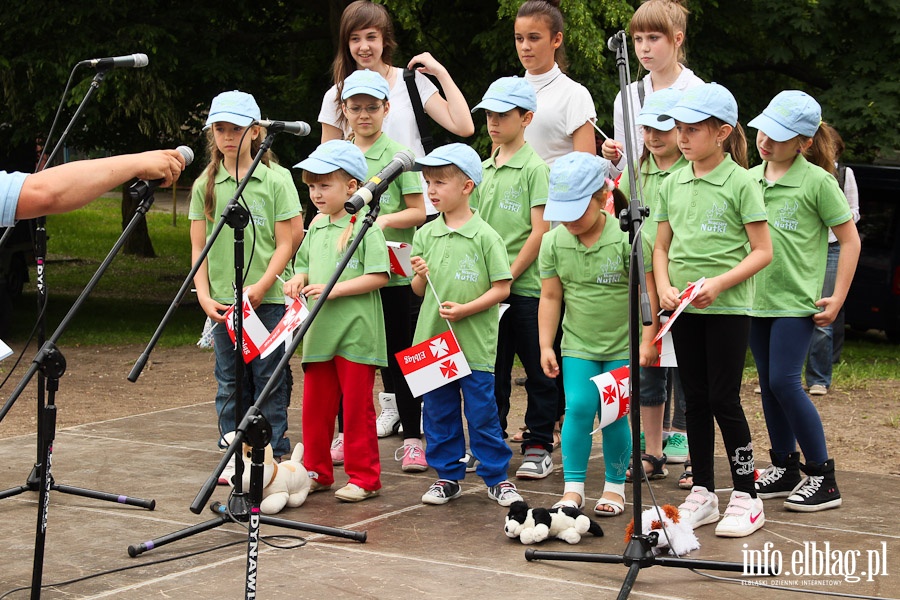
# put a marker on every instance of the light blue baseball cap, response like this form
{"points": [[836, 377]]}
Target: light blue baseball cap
{"points": [[702, 102], [508, 93], [457, 154], [657, 104], [235, 107], [573, 180], [789, 114], [365, 81], [334, 155]]}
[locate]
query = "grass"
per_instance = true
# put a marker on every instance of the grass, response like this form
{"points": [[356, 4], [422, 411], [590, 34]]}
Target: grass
{"points": [[133, 295]]}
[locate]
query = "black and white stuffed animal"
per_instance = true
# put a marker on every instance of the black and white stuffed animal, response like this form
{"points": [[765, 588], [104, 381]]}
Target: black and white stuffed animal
{"points": [[534, 525]]}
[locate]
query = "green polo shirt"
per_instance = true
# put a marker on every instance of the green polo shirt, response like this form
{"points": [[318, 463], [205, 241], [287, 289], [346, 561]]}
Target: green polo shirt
{"points": [[651, 178], [707, 215], [462, 265], [270, 197], [352, 326], [802, 205], [595, 289], [504, 200], [377, 157]]}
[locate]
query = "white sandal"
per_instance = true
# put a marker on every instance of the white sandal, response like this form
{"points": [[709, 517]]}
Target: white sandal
{"points": [[617, 507], [570, 503]]}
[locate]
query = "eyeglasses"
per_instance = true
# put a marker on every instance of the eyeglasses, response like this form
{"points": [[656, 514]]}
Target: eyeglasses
{"points": [[370, 109]]}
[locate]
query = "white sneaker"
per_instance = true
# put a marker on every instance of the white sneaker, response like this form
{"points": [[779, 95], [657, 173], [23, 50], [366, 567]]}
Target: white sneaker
{"points": [[743, 516], [701, 507], [388, 421], [817, 390]]}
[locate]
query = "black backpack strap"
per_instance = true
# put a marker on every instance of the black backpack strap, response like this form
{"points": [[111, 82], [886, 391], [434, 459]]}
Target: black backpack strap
{"points": [[841, 175], [424, 131], [640, 88]]}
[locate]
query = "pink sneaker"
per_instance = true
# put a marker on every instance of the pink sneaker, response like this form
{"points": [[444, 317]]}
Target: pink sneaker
{"points": [[412, 457], [337, 450]]}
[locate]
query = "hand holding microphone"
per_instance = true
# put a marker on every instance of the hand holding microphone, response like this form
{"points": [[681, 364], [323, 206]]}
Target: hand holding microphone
{"points": [[162, 172], [378, 183]]}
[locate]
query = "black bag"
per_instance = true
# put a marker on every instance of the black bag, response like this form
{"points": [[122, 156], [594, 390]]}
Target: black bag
{"points": [[421, 120]]}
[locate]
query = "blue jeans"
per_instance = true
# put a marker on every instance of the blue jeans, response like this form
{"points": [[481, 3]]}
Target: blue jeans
{"points": [[656, 382], [256, 376], [778, 348], [518, 335], [446, 442], [821, 348]]}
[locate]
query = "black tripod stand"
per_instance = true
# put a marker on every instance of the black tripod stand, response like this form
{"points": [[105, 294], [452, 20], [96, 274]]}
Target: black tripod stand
{"points": [[51, 365], [638, 553], [241, 507]]}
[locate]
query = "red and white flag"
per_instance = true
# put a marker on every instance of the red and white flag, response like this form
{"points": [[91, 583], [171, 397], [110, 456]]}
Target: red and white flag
{"points": [[433, 363], [687, 296], [255, 332], [399, 253], [665, 348], [295, 314], [615, 394]]}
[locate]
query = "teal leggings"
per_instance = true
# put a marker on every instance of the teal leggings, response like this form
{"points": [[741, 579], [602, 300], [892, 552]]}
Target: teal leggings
{"points": [[582, 406]]}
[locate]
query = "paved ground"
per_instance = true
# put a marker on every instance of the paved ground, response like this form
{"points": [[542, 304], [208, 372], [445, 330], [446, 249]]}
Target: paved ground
{"points": [[412, 551]]}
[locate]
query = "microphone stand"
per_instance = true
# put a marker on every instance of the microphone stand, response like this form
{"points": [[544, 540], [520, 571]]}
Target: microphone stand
{"points": [[241, 507], [50, 363], [638, 553]]}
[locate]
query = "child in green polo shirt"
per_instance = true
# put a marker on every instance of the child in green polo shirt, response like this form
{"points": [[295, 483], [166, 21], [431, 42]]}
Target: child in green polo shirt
{"points": [[511, 199], [803, 201], [465, 264], [364, 102], [346, 342], [585, 263]]}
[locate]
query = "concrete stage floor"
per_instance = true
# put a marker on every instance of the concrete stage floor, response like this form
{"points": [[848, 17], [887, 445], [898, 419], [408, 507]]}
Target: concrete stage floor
{"points": [[457, 550]]}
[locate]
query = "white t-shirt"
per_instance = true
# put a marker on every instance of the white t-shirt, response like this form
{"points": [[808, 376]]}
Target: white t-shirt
{"points": [[851, 191], [563, 105], [400, 124], [685, 80]]}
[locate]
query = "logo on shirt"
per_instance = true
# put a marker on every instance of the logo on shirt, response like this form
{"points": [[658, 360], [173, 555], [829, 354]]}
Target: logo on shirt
{"points": [[257, 208], [787, 216], [611, 272], [512, 199], [466, 270], [714, 221], [385, 199], [353, 264]]}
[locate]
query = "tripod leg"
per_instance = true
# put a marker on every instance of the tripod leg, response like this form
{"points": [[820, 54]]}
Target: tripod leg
{"points": [[134, 551], [68, 489], [359, 536], [48, 424]]}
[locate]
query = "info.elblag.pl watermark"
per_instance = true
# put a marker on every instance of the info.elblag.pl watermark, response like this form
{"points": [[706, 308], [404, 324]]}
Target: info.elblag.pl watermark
{"points": [[814, 563]]}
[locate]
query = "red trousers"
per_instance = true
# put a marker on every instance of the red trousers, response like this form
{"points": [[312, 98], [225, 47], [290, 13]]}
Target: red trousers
{"points": [[324, 385]]}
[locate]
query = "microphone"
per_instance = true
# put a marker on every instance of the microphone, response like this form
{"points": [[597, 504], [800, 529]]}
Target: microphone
{"points": [[402, 161], [135, 61], [615, 42], [142, 189], [292, 127]]}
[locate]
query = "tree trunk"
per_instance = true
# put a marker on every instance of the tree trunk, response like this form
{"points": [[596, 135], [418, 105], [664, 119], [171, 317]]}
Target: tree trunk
{"points": [[138, 243]]}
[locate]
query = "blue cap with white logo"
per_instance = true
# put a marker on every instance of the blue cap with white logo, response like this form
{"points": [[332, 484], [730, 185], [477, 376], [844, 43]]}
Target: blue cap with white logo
{"points": [[334, 155]]}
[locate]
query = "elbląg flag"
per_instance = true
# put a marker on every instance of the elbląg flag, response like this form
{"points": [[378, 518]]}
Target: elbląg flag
{"points": [[433, 363], [615, 394]]}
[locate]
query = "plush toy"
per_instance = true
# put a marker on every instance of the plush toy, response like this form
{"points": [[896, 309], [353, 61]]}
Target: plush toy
{"points": [[284, 484], [533, 525], [671, 530], [569, 524]]}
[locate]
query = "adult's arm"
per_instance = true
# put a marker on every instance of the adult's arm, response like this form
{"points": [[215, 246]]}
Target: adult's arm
{"points": [[72, 185]]}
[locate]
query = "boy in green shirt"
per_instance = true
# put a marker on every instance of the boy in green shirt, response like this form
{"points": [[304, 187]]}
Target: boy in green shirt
{"points": [[511, 199], [471, 276]]}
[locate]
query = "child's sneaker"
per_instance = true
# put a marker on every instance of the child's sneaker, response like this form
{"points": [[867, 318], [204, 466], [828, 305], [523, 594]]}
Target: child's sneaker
{"points": [[388, 421], [743, 516], [818, 491], [701, 507], [412, 457], [337, 450], [442, 491], [676, 448], [780, 478], [504, 493], [315, 486], [353, 493], [471, 462], [537, 464]]}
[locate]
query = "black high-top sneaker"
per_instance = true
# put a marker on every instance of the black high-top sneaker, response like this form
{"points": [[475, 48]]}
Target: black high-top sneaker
{"points": [[780, 478], [818, 491]]}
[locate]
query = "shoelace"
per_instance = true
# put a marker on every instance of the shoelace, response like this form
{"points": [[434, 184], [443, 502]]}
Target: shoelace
{"points": [[771, 475], [438, 488], [337, 443], [504, 489], [810, 486], [407, 450]]}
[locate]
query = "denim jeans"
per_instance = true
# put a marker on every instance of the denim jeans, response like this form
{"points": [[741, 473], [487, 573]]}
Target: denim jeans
{"points": [[256, 376], [821, 348]]}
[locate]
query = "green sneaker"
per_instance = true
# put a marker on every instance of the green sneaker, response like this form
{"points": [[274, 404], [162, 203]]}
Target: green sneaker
{"points": [[677, 448]]}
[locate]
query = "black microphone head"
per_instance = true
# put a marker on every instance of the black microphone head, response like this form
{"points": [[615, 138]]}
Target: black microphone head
{"points": [[406, 158], [615, 42], [187, 153]]}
